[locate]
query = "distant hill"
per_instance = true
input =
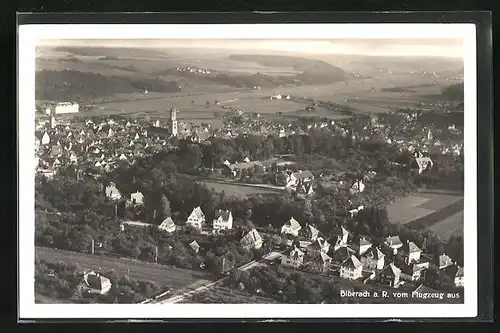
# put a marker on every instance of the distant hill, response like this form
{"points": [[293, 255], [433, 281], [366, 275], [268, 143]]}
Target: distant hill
{"points": [[74, 85], [454, 92], [313, 70]]}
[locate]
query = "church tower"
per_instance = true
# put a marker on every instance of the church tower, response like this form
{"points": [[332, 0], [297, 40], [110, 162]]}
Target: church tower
{"points": [[52, 121], [173, 121]]}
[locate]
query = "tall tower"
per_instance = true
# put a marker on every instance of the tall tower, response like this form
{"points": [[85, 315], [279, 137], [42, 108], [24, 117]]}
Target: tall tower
{"points": [[52, 121], [173, 121]]}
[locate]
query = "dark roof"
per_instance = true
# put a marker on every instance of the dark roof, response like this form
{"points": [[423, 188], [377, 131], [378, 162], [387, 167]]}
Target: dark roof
{"points": [[95, 281], [222, 213], [391, 270], [352, 262], [410, 247]]}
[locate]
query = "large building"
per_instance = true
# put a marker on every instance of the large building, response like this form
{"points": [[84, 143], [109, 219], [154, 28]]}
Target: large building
{"points": [[165, 132], [66, 107]]}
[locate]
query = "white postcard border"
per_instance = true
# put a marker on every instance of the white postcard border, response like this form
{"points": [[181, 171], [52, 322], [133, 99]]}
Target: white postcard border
{"points": [[30, 34]]}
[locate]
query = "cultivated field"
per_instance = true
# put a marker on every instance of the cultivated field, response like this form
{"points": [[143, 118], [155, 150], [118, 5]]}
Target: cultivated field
{"points": [[240, 190], [450, 226], [438, 210], [174, 278]]}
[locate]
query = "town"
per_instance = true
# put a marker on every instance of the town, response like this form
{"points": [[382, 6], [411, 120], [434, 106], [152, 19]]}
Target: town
{"points": [[265, 208]]}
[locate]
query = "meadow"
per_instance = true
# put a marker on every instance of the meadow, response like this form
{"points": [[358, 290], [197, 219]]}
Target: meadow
{"points": [[240, 190], [437, 210]]}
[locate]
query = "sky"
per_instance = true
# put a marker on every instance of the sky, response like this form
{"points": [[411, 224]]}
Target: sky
{"points": [[373, 47]]}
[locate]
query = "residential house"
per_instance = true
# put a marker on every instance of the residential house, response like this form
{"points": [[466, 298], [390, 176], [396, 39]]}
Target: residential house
{"points": [[341, 232], [411, 252], [167, 225], [305, 189], [96, 283], [351, 268], [443, 261], [136, 198], [342, 254], [223, 220], [252, 240], [338, 242], [394, 243], [390, 275], [195, 246], [112, 192], [293, 258], [412, 272], [246, 159], [357, 187], [321, 263], [423, 163], [373, 259], [45, 139], [363, 246], [196, 219], [291, 227], [456, 274], [318, 246], [310, 232]]}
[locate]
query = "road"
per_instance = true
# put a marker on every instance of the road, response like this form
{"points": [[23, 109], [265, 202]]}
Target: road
{"points": [[188, 293], [172, 277]]}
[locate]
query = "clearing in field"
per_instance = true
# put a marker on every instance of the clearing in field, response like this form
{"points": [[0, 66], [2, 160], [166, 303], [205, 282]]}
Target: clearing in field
{"points": [[452, 225], [240, 190]]}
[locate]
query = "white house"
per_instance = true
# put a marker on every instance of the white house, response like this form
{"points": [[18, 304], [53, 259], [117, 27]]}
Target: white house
{"points": [[167, 225], [196, 219], [96, 283], [351, 268], [394, 243], [390, 275], [423, 163], [411, 252], [223, 220], [341, 232], [456, 273], [252, 240], [364, 245], [320, 245], [291, 227], [357, 187], [444, 261], [293, 258], [321, 263], [66, 107], [45, 139], [112, 192], [136, 198], [246, 159], [373, 259], [312, 232]]}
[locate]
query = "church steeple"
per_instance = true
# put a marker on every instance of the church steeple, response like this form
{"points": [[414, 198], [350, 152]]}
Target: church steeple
{"points": [[173, 121]]}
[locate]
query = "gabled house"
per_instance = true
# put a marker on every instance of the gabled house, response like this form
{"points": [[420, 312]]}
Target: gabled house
{"points": [[357, 187], [394, 243], [342, 254], [196, 219], [351, 268], [311, 232], [136, 198], [251, 240], [390, 275], [411, 252], [167, 225], [45, 139], [443, 261], [223, 220], [363, 246], [341, 232], [373, 259], [291, 227], [194, 246], [112, 192], [456, 274], [423, 163], [412, 272], [305, 189], [96, 283], [318, 246], [321, 263], [293, 258]]}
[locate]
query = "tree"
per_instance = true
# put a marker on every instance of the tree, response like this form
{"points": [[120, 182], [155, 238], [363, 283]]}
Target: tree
{"points": [[165, 205]]}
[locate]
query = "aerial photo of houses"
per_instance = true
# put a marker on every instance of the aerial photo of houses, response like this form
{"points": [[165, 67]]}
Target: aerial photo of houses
{"points": [[249, 171]]}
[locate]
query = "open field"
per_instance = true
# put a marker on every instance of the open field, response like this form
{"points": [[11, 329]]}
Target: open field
{"points": [[452, 225], [174, 278], [438, 210], [240, 190]]}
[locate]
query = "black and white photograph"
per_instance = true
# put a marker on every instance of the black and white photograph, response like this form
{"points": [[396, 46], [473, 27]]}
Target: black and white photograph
{"points": [[198, 171]]}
